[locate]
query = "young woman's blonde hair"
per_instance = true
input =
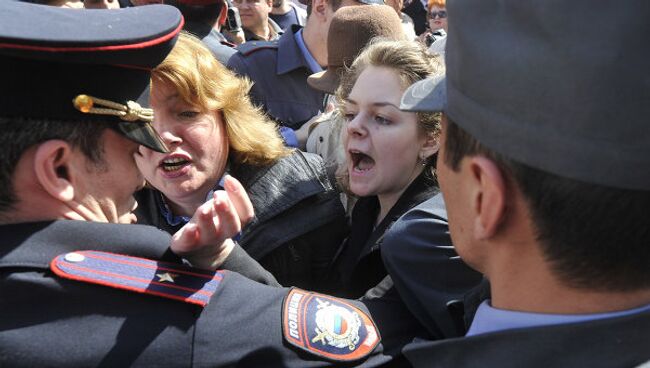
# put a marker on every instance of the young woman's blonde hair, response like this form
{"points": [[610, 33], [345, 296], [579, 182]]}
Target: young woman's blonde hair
{"points": [[412, 63], [203, 82]]}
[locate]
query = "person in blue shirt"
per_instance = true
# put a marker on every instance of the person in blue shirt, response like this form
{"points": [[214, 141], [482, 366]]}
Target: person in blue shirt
{"points": [[543, 174], [280, 69]]}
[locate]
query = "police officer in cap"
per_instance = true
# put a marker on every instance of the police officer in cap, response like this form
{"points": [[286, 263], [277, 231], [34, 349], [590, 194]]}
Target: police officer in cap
{"points": [[79, 289], [544, 169]]}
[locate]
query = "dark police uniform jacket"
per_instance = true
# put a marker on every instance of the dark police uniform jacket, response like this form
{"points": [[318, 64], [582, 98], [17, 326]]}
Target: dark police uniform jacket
{"points": [[51, 320], [612, 342], [427, 272], [280, 73]]}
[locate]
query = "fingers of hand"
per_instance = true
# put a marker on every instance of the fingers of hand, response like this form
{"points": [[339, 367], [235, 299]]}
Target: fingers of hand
{"points": [[239, 199], [229, 221], [185, 239]]}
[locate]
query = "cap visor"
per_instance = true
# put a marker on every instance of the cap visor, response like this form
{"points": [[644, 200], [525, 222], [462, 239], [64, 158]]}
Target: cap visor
{"points": [[429, 94], [144, 134], [326, 81]]}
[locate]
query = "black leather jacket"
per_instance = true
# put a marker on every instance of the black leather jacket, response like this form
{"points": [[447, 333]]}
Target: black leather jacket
{"points": [[299, 220]]}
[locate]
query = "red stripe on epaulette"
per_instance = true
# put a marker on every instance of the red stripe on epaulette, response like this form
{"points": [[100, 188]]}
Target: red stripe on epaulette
{"points": [[328, 327], [141, 275]]}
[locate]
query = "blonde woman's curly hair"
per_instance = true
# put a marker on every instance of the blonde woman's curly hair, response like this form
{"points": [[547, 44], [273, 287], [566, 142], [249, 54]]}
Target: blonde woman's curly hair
{"points": [[203, 82]]}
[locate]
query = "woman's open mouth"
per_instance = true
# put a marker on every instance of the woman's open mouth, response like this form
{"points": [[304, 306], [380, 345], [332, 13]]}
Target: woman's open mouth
{"points": [[173, 164], [361, 162]]}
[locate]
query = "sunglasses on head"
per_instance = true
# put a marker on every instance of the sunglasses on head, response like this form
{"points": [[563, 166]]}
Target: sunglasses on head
{"points": [[442, 14]]}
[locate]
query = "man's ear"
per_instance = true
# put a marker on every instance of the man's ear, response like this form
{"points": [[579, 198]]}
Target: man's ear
{"points": [[488, 196], [52, 167], [319, 7]]}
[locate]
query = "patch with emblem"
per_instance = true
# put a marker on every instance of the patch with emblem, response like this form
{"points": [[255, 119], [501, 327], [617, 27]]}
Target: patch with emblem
{"points": [[168, 280], [328, 327]]}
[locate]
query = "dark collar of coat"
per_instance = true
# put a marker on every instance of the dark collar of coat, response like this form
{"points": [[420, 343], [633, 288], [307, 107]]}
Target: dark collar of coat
{"points": [[364, 237]]}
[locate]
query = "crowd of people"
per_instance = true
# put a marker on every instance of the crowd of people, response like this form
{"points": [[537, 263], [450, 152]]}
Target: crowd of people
{"points": [[324, 183]]}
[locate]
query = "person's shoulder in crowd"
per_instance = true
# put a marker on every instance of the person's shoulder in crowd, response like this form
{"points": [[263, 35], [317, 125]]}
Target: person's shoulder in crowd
{"points": [[279, 72], [247, 49], [213, 40]]}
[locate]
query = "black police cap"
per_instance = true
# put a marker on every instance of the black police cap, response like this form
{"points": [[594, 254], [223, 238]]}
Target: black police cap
{"points": [[84, 65]]}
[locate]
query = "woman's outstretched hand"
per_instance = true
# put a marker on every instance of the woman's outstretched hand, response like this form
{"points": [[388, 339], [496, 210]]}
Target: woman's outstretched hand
{"points": [[206, 240]]}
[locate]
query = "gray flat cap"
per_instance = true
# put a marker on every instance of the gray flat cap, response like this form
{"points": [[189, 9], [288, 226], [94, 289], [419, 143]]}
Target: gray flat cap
{"points": [[429, 94], [538, 83]]}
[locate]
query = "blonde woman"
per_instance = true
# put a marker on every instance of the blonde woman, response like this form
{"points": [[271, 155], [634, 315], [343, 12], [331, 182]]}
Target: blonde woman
{"points": [[204, 115], [389, 153]]}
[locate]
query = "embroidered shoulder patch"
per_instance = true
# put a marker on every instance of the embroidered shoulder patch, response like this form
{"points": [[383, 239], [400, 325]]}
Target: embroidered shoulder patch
{"points": [[168, 280], [328, 327]]}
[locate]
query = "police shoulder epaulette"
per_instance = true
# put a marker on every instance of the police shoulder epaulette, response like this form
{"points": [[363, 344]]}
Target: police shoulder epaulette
{"points": [[250, 47], [328, 327], [168, 280]]}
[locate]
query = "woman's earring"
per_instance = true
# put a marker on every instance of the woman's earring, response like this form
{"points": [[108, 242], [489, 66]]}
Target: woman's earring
{"points": [[423, 160]]}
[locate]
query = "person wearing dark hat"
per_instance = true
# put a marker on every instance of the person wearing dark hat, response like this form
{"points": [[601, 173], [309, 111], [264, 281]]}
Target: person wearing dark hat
{"points": [[95, 292], [280, 69], [204, 18], [543, 167]]}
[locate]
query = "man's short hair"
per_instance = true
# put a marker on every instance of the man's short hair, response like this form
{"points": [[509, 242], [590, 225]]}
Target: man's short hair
{"points": [[20, 134], [595, 237]]}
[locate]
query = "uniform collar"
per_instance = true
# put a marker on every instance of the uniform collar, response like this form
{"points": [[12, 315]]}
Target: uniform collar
{"points": [[290, 55], [490, 319]]}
